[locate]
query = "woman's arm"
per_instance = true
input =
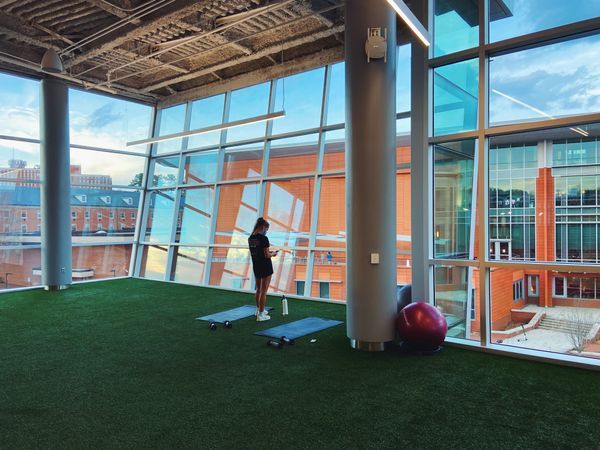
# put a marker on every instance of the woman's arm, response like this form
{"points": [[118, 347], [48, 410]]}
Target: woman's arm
{"points": [[269, 254]]}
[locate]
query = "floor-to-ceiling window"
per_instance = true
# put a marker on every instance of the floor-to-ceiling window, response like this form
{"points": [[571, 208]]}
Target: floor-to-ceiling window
{"points": [[206, 191], [514, 149], [106, 180]]}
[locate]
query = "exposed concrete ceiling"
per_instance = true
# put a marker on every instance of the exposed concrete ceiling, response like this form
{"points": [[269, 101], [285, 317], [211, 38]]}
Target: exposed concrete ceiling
{"points": [[168, 51]]}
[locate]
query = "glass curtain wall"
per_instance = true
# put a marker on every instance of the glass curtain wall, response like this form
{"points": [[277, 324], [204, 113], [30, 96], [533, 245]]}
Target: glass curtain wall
{"points": [[514, 146], [106, 182], [205, 192]]}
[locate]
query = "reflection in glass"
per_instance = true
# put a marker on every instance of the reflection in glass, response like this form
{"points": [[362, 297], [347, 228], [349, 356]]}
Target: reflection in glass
{"points": [[20, 268], [200, 168], [195, 215], [231, 268], [288, 211], [456, 26], [100, 261], [303, 97], [568, 86], [19, 110], [453, 194], [19, 161], [237, 214], [246, 103], [519, 17], [19, 209], [293, 155], [557, 315], [165, 172], [331, 226], [334, 157], [189, 265], [154, 262], [455, 289], [172, 120], [329, 275], [289, 268], [243, 162], [160, 216], [455, 97], [206, 112]]}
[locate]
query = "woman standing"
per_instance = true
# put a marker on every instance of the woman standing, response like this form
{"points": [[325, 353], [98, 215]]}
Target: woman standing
{"points": [[261, 265]]}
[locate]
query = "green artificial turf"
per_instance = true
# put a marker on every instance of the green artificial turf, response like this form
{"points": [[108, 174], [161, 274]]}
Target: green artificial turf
{"points": [[123, 364]]}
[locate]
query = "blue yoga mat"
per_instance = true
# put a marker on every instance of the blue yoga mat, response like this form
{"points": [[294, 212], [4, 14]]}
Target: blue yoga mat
{"points": [[299, 328], [231, 314]]}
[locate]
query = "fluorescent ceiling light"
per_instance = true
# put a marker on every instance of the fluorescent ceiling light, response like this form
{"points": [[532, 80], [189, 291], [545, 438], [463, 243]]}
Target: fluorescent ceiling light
{"points": [[409, 19], [223, 126]]}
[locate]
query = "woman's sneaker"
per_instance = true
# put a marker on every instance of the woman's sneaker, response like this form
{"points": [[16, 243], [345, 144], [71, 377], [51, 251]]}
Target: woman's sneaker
{"points": [[263, 316]]}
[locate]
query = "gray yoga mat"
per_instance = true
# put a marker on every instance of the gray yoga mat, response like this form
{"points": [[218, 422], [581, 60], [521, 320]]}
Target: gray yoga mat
{"points": [[231, 314], [299, 328]]}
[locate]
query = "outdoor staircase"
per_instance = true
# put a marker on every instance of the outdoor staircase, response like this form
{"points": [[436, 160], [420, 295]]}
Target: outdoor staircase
{"points": [[565, 326]]}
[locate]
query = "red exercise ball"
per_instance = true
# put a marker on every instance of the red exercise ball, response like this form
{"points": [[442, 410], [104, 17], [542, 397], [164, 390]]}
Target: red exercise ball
{"points": [[421, 326]]}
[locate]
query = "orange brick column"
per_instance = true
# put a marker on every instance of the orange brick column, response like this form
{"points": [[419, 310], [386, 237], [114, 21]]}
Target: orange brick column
{"points": [[545, 230]]}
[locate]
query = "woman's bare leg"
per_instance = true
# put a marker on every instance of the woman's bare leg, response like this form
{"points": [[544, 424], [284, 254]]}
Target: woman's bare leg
{"points": [[264, 286], [257, 294]]}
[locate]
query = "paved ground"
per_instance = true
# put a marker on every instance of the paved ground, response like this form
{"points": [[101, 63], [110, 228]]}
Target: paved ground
{"points": [[590, 315], [553, 341]]}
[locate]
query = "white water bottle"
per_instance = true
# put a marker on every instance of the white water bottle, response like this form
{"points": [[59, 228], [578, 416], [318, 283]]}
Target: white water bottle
{"points": [[284, 306]]}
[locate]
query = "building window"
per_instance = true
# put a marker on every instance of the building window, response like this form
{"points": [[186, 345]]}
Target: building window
{"points": [[558, 287], [518, 290], [300, 287], [39, 215], [73, 227], [73, 215], [87, 215], [99, 215], [533, 285], [473, 304], [24, 228], [122, 215], [111, 214], [133, 216], [99, 227], [324, 289], [24, 215]]}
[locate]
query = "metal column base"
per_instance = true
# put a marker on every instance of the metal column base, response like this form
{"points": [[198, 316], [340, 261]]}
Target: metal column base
{"points": [[368, 346], [60, 287]]}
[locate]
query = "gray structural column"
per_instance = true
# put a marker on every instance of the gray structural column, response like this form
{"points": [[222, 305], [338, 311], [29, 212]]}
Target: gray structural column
{"points": [[370, 177], [56, 185], [421, 232]]}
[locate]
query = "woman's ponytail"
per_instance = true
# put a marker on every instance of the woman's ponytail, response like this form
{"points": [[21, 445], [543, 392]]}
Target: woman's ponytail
{"points": [[260, 222]]}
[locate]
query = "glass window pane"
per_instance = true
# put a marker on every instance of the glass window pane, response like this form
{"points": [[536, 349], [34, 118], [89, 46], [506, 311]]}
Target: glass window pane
{"points": [[331, 226], [206, 113], [189, 265], [94, 168], [456, 26], [103, 214], [403, 79], [247, 103], [566, 320], [20, 107], [521, 82], [517, 17], [102, 121], [238, 211], [172, 120], [288, 210], [201, 168], [455, 97], [101, 261], [165, 172], [293, 155], [329, 275], [334, 157], [19, 219], [243, 162], [231, 268], [19, 161], [336, 99], [19, 267], [154, 262], [195, 215], [456, 297], [303, 94], [453, 193], [289, 269], [160, 216]]}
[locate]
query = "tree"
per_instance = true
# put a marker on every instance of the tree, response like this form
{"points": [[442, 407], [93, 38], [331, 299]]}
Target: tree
{"points": [[157, 180]]}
